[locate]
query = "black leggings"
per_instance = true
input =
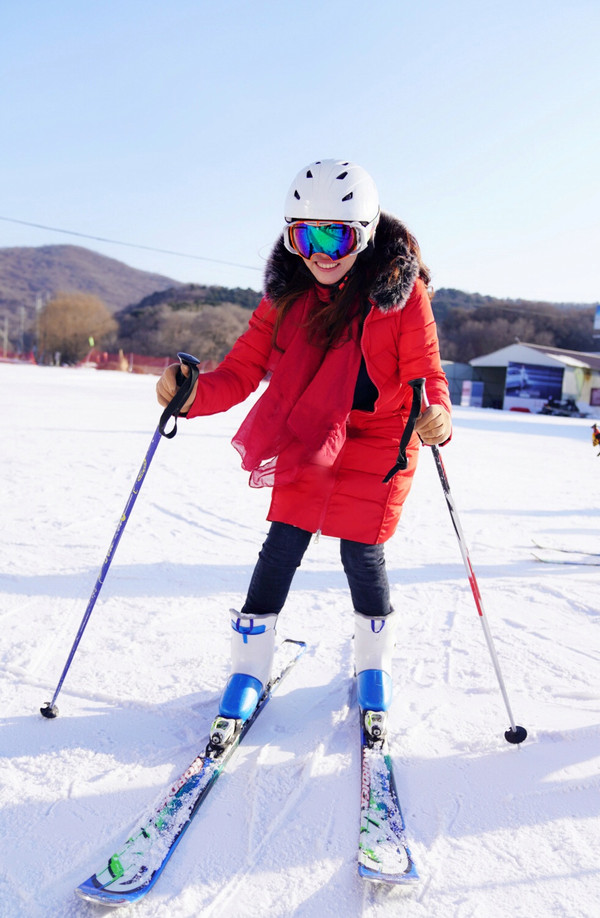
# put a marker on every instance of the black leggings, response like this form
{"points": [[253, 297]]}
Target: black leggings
{"points": [[281, 555]]}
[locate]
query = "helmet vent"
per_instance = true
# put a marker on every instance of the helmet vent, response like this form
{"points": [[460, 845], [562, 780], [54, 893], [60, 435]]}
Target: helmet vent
{"points": [[296, 195], [309, 174], [342, 175], [348, 197]]}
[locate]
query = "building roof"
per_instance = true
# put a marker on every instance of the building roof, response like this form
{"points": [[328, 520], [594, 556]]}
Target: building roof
{"points": [[537, 354]]}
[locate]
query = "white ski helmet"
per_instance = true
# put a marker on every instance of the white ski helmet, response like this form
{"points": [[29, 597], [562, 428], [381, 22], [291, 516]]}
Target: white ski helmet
{"points": [[335, 190]]}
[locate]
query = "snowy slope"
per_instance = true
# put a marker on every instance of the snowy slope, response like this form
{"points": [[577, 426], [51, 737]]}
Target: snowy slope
{"points": [[496, 830]]}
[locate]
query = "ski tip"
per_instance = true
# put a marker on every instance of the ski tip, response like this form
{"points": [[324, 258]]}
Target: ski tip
{"points": [[100, 897], [301, 645], [409, 878], [92, 890]]}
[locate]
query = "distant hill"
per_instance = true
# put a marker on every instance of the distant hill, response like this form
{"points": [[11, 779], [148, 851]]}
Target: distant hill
{"points": [[202, 320], [470, 325], [193, 297], [157, 315], [206, 321], [447, 298], [26, 273]]}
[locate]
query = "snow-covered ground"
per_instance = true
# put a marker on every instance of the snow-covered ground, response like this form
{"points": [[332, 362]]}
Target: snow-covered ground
{"points": [[496, 830]]}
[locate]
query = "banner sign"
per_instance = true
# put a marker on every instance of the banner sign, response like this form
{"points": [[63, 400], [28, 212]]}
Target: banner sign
{"points": [[528, 386]]}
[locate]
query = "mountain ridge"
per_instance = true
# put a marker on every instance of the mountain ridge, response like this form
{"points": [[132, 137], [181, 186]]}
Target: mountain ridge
{"points": [[27, 273]]}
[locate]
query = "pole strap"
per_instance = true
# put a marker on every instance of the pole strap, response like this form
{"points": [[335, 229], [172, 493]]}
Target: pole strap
{"points": [[186, 385], [415, 410]]}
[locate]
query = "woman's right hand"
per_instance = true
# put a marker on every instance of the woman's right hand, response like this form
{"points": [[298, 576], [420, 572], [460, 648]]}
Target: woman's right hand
{"points": [[166, 387]]}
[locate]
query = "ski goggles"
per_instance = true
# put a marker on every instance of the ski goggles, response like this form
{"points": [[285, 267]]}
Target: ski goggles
{"points": [[336, 240]]}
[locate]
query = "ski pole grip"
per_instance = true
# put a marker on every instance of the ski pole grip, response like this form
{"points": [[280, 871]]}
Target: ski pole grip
{"points": [[185, 386], [189, 361], [417, 386]]}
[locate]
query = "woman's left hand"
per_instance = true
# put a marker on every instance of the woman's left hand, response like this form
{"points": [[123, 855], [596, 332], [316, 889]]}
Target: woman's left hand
{"points": [[434, 425]]}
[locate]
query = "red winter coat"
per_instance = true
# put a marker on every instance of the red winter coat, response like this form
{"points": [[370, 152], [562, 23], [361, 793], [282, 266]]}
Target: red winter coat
{"points": [[346, 497]]}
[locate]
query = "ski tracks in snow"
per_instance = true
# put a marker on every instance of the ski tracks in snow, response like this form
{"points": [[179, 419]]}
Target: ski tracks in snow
{"points": [[261, 831], [297, 784]]}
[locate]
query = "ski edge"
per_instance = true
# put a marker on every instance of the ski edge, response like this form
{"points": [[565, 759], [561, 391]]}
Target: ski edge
{"points": [[409, 878], [99, 897]]}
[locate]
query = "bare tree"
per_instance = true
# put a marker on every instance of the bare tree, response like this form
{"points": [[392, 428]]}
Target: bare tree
{"points": [[68, 322]]}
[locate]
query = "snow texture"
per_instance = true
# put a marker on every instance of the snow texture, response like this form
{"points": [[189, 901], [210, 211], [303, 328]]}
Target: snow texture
{"points": [[495, 830]]}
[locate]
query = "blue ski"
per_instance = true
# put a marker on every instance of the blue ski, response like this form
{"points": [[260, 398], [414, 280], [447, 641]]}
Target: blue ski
{"points": [[133, 870], [383, 852]]}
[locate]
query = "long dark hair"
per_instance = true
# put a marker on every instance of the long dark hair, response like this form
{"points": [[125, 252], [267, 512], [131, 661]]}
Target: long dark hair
{"points": [[329, 322]]}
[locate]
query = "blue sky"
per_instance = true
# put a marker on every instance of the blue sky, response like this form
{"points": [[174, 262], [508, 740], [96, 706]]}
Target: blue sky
{"points": [[180, 126]]}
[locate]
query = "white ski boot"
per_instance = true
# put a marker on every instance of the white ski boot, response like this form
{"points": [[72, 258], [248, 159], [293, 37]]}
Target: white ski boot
{"points": [[252, 651], [374, 642]]}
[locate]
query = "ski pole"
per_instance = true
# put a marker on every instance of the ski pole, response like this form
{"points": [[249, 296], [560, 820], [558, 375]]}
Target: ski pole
{"points": [[516, 734], [186, 384]]}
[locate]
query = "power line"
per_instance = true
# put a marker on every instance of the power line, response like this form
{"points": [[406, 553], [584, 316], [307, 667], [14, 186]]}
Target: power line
{"points": [[132, 245]]}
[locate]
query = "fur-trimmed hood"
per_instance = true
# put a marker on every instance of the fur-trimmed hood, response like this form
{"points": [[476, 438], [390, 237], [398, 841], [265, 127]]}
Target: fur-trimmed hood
{"points": [[392, 266]]}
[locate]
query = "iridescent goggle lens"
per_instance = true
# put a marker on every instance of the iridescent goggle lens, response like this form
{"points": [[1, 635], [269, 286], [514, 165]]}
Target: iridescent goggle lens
{"points": [[333, 239]]}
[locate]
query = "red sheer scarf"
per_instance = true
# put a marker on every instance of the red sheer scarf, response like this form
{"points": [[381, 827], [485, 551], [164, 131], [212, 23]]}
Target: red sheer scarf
{"points": [[301, 417]]}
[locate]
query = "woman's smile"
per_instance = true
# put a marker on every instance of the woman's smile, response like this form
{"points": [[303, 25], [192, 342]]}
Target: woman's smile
{"points": [[327, 271]]}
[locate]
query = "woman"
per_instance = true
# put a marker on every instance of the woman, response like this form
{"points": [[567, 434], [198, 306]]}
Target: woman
{"points": [[345, 323]]}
